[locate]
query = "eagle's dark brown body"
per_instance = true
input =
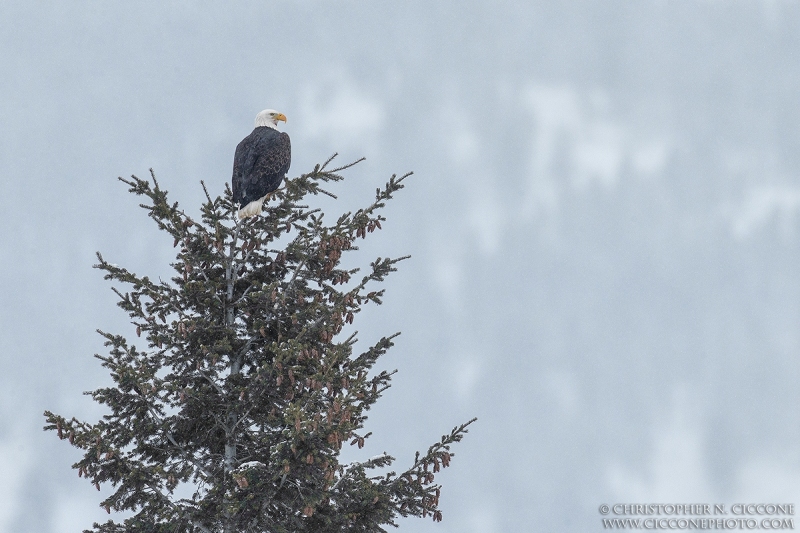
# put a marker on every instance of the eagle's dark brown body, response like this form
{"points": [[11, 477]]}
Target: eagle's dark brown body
{"points": [[259, 165]]}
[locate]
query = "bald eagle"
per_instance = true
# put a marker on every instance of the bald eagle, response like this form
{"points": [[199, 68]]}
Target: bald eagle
{"points": [[260, 164]]}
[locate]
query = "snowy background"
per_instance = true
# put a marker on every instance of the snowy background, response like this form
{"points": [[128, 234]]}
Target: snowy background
{"points": [[603, 222]]}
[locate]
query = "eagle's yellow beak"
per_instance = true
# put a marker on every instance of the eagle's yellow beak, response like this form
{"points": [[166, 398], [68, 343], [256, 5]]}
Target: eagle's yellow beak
{"points": [[280, 116]]}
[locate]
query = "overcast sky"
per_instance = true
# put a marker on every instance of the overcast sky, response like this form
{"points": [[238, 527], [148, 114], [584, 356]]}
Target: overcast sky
{"points": [[602, 222]]}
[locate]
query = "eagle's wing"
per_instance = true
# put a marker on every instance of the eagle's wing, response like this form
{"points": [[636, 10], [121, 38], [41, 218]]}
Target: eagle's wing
{"points": [[237, 180], [272, 159]]}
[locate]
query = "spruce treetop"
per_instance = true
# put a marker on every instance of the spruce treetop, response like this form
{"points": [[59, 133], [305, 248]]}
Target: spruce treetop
{"points": [[231, 414]]}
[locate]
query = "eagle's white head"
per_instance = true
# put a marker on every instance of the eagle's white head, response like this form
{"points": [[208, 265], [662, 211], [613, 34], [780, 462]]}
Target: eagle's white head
{"points": [[269, 118]]}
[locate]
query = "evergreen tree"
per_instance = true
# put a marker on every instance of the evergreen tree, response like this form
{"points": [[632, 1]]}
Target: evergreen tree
{"points": [[233, 416]]}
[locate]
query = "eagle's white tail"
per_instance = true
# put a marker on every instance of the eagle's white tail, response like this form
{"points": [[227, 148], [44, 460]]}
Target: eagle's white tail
{"points": [[253, 208]]}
